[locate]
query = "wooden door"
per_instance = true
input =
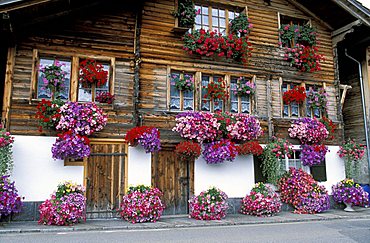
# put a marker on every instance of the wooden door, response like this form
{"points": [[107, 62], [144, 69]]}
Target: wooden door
{"points": [[175, 178], [105, 178]]}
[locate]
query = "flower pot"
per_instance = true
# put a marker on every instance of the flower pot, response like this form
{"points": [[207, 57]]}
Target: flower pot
{"points": [[349, 207]]}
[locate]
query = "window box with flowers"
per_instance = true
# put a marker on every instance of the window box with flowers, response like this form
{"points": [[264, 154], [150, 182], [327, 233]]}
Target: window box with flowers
{"points": [[293, 99], [184, 16]]}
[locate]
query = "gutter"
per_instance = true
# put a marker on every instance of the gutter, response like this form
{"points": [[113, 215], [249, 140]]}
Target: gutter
{"points": [[363, 106]]}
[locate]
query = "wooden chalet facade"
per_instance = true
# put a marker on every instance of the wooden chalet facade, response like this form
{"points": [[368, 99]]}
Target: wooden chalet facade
{"points": [[141, 47]]}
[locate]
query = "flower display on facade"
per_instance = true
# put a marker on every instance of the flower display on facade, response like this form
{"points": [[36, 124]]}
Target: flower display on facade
{"points": [[244, 87], [304, 58], [186, 13], [317, 99], [244, 127], [183, 82], [48, 113], [313, 154], [353, 153], [67, 206], [240, 25], [142, 204], [262, 201], [105, 97], [147, 137], [219, 151], [6, 152], [295, 95], [304, 35], [209, 205], [216, 90], [70, 145], [250, 147], [188, 150], [92, 72], [53, 78], [308, 131], [330, 126], [10, 201], [347, 191]]}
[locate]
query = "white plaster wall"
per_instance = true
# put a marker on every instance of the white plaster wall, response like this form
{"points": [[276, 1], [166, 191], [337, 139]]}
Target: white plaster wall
{"points": [[139, 166], [334, 168], [235, 178], [36, 174]]}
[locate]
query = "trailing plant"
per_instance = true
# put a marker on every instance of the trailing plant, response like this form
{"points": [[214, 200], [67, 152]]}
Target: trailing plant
{"points": [[244, 128], [250, 147], [217, 90], [48, 113], [301, 191], [219, 151], [295, 95], [353, 153], [53, 78], [105, 97], [184, 82], [262, 201], [240, 25], [330, 126], [347, 191], [317, 99], [67, 206], [10, 201], [188, 150], [304, 35], [142, 204], [272, 154], [92, 72], [70, 145], [6, 152], [304, 58], [209, 205], [147, 137], [313, 154], [308, 130], [245, 87], [186, 13]]}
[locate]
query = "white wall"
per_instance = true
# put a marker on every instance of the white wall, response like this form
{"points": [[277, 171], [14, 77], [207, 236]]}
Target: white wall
{"points": [[334, 168], [235, 178], [36, 174], [139, 166]]}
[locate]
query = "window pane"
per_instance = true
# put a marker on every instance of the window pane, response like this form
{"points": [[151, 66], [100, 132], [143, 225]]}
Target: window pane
{"points": [[188, 100], [218, 104], [222, 22], [316, 112], [174, 93], [319, 172], [231, 15], [198, 19], [205, 106], [215, 22], [234, 107], [222, 13], [205, 20], [42, 91], [215, 12], [233, 96], [84, 93], [286, 110], [175, 103], [295, 110], [204, 10], [245, 104]]}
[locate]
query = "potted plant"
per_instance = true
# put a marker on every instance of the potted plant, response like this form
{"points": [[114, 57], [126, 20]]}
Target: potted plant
{"points": [[209, 205], [245, 87], [313, 154], [308, 130], [330, 126], [183, 82], [142, 204], [186, 14], [240, 25], [70, 145], [216, 91], [353, 153], [147, 137], [105, 98], [250, 147], [53, 77], [92, 72], [296, 95], [262, 201], [48, 113], [218, 151], [188, 150], [350, 193], [6, 152], [10, 201], [317, 99]]}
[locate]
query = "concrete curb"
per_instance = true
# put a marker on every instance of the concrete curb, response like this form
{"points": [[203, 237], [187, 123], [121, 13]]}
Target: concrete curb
{"points": [[168, 222]]}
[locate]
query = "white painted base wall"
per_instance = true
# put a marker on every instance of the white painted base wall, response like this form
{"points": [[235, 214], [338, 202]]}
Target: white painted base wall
{"points": [[36, 174], [139, 166], [334, 168], [235, 178]]}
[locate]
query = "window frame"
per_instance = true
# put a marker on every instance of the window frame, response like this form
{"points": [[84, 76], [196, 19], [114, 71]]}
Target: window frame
{"points": [[181, 97], [301, 108], [280, 15], [75, 64], [312, 113]]}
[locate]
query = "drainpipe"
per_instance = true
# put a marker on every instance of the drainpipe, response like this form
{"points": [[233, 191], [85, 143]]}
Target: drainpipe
{"points": [[363, 106]]}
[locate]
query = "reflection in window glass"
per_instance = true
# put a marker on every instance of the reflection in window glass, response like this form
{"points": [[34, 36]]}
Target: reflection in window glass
{"points": [[42, 91], [233, 96], [85, 90], [206, 103]]}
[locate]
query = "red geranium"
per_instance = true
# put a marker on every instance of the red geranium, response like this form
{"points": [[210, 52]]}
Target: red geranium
{"points": [[188, 150], [48, 113], [92, 72], [134, 133], [330, 126], [217, 90], [297, 94], [251, 147]]}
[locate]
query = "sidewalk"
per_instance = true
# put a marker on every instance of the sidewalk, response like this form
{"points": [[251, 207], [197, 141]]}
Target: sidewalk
{"points": [[181, 221]]}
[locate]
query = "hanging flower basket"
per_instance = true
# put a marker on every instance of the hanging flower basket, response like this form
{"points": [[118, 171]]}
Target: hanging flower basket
{"points": [[317, 99], [330, 126], [71, 146], [217, 90], [48, 113], [308, 131], [313, 154], [148, 137], [186, 13], [250, 147], [349, 192], [188, 150], [183, 83], [245, 87], [92, 72], [219, 151], [240, 25], [295, 95]]}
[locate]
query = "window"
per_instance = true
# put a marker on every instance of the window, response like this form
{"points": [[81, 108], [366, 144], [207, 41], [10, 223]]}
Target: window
{"points": [[214, 18], [72, 90], [293, 109], [42, 91], [206, 103], [239, 104], [309, 111], [284, 20], [319, 171], [181, 99]]}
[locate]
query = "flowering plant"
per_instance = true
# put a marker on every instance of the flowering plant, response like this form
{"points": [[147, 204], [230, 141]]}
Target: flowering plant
{"points": [[244, 128], [301, 191], [6, 152], [240, 25], [330, 126], [83, 119], [308, 130], [245, 87], [219, 151], [188, 150], [317, 99], [217, 90], [209, 205], [70, 145], [10, 201], [65, 208], [53, 77], [304, 58], [210, 43], [186, 82], [48, 113], [313, 154], [352, 153], [92, 72], [272, 153], [347, 191], [105, 97], [250, 147], [262, 201], [148, 137], [199, 126], [297, 95], [142, 204], [186, 13], [304, 35]]}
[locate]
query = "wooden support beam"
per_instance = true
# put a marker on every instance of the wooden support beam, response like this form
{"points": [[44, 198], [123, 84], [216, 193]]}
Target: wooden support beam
{"points": [[345, 88], [8, 85]]}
